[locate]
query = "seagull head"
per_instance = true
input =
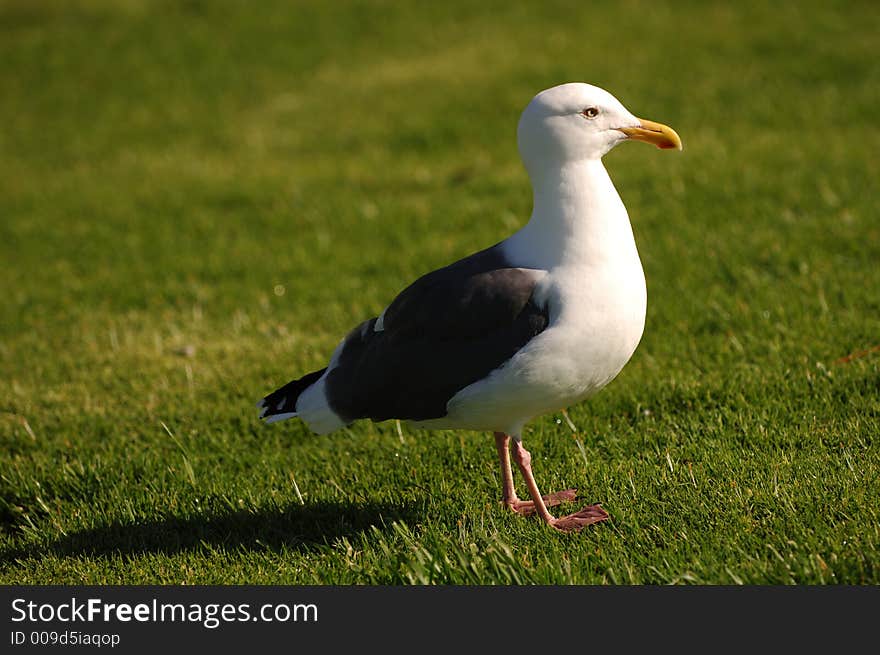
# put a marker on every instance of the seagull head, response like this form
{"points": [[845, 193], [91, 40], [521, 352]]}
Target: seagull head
{"points": [[577, 121]]}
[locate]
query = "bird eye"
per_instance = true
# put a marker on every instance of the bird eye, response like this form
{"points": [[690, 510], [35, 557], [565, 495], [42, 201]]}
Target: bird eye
{"points": [[590, 112]]}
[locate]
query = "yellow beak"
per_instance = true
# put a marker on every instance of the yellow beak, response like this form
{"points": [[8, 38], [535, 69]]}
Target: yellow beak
{"points": [[659, 134]]}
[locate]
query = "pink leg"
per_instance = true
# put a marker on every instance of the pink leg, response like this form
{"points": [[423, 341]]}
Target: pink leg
{"points": [[571, 523], [508, 492]]}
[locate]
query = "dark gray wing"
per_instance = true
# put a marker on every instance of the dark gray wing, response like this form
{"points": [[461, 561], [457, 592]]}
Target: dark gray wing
{"points": [[445, 331]]}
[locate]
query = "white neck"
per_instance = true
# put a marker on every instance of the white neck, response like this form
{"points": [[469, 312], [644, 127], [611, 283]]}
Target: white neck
{"points": [[577, 219]]}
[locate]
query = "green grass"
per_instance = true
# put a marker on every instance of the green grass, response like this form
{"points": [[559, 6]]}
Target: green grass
{"points": [[197, 200]]}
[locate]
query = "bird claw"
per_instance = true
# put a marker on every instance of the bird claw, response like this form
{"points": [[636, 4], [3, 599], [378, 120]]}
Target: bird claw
{"points": [[527, 507]]}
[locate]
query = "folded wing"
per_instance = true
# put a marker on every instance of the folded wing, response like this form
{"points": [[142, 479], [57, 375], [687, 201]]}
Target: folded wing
{"points": [[447, 330]]}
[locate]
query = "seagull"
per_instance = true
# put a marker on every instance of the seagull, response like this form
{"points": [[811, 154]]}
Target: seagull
{"points": [[531, 325]]}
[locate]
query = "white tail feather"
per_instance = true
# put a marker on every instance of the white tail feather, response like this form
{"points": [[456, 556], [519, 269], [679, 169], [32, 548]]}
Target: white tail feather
{"points": [[280, 417], [314, 409]]}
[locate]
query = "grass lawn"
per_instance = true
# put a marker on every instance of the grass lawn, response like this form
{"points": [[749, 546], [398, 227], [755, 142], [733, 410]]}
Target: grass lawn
{"points": [[198, 199]]}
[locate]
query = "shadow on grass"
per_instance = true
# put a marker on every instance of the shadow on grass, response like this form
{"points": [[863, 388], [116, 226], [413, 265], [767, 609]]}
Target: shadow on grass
{"points": [[301, 527]]}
